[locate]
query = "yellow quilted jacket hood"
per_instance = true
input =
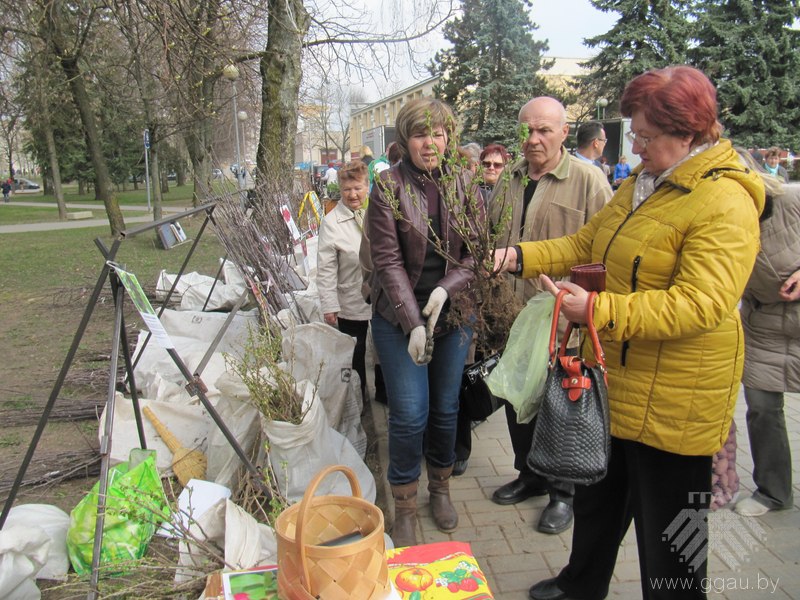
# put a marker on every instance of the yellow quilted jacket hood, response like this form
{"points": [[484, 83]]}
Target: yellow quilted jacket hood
{"points": [[668, 320]]}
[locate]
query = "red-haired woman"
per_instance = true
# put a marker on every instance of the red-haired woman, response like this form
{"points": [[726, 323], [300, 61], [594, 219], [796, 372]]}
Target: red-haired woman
{"points": [[492, 163], [679, 239]]}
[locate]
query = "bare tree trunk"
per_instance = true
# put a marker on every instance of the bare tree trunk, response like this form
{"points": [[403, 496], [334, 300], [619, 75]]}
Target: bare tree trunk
{"points": [[53, 33], [198, 144], [55, 171], [103, 188], [281, 71], [180, 171], [10, 158], [158, 197]]}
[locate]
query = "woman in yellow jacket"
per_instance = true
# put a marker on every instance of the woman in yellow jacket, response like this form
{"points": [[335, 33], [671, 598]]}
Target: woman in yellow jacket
{"points": [[679, 239]]}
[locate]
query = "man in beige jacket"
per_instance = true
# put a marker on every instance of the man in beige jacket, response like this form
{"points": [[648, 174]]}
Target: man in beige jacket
{"points": [[551, 194]]}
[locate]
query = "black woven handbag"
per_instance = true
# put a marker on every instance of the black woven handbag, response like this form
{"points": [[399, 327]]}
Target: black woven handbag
{"points": [[571, 438], [475, 399]]}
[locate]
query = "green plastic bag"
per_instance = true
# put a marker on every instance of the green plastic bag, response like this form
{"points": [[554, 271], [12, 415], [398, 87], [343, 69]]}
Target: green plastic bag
{"points": [[520, 375], [135, 507]]}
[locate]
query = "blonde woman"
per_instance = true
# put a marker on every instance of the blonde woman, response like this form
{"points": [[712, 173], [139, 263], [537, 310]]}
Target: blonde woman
{"points": [[410, 285]]}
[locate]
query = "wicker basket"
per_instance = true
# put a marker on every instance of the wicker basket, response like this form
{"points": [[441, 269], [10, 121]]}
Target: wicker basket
{"points": [[309, 568]]}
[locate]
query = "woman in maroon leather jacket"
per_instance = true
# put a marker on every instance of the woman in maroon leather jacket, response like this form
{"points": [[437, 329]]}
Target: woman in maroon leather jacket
{"points": [[411, 283]]}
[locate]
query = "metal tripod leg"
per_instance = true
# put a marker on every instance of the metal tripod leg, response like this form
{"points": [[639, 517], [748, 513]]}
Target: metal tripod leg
{"points": [[105, 444], [196, 387]]}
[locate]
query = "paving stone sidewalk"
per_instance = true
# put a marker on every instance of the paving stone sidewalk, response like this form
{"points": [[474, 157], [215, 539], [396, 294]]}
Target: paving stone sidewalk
{"points": [[514, 555]]}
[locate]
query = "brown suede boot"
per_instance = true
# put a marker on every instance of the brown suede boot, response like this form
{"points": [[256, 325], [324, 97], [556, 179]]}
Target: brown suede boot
{"points": [[444, 513], [404, 531]]}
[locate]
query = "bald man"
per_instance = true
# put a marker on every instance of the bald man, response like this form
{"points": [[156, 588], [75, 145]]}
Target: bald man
{"points": [[551, 194]]}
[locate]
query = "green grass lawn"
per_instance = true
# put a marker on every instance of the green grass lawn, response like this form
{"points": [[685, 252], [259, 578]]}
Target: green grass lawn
{"points": [[64, 258]]}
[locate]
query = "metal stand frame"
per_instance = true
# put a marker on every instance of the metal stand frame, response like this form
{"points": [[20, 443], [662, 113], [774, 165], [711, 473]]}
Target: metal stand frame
{"points": [[194, 385]]}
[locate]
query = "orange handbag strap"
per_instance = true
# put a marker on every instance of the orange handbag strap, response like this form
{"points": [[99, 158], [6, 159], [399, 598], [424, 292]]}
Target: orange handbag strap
{"points": [[599, 355]]}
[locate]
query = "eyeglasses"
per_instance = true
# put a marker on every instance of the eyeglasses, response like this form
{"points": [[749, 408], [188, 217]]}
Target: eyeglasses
{"points": [[487, 164], [637, 138], [604, 140]]}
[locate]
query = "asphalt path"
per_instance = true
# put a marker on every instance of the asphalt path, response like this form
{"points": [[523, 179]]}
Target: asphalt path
{"points": [[79, 224]]}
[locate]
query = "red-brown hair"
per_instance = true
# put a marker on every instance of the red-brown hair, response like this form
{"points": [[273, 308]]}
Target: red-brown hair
{"points": [[495, 149], [679, 100]]}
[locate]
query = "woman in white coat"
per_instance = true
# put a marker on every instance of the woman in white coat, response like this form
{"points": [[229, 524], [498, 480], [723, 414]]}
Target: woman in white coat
{"points": [[339, 277]]}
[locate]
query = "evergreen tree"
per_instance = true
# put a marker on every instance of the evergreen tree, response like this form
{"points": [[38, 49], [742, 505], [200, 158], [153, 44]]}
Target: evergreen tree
{"points": [[748, 49], [649, 34], [492, 69]]}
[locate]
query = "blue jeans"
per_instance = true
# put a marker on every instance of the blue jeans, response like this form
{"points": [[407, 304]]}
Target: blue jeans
{"points": [[423, 400]]}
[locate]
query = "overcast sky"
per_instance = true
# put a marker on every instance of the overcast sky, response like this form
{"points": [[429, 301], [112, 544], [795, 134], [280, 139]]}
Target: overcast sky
{"points": [[565, 23]]}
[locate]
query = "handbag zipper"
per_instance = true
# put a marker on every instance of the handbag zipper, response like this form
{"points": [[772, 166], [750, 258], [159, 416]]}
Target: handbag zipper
{"points": [[634, 282]]}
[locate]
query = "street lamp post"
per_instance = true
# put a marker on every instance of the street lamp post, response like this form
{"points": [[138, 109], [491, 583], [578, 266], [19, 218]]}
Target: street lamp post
{"points": [[601, 108], [231, 73], [242, 116]]}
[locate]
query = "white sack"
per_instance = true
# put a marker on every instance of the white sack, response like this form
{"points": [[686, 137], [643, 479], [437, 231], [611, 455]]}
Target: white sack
{"points": [[247, 543], [203, 326], [156, 374], [223, 296], [232, 274], [298, 452], [165, 281], [194, 500], [23, 552], [55, 523], [305, 306], [193, 289], [306, 348], [189, 423], [241, 418], [312, 244]]}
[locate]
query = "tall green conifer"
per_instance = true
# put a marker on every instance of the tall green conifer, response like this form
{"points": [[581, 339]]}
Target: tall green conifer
{"points": [[492, 69], [752, 54], [649, 34]]}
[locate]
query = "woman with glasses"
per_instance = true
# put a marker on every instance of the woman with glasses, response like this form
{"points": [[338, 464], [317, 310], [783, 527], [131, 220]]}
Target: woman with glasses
{"points": [[679, 239], [493, 160]]}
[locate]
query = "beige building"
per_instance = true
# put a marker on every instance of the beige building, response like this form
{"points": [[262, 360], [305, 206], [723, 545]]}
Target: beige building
{"points": [[367, 123]]}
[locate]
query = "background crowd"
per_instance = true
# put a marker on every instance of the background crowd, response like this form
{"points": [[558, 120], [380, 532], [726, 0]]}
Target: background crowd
{"points": [[669, 318]]}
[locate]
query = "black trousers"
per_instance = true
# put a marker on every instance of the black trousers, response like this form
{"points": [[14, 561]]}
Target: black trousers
{"points": [[358, 330], [521, 440], [661, 492]]}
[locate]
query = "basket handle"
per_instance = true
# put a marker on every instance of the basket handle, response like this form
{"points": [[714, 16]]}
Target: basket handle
{"points": [[355, 487]]}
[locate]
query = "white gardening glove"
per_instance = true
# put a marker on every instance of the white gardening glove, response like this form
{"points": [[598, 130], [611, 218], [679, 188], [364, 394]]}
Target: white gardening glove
{"points": [[416, 345], [434, 307]]}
